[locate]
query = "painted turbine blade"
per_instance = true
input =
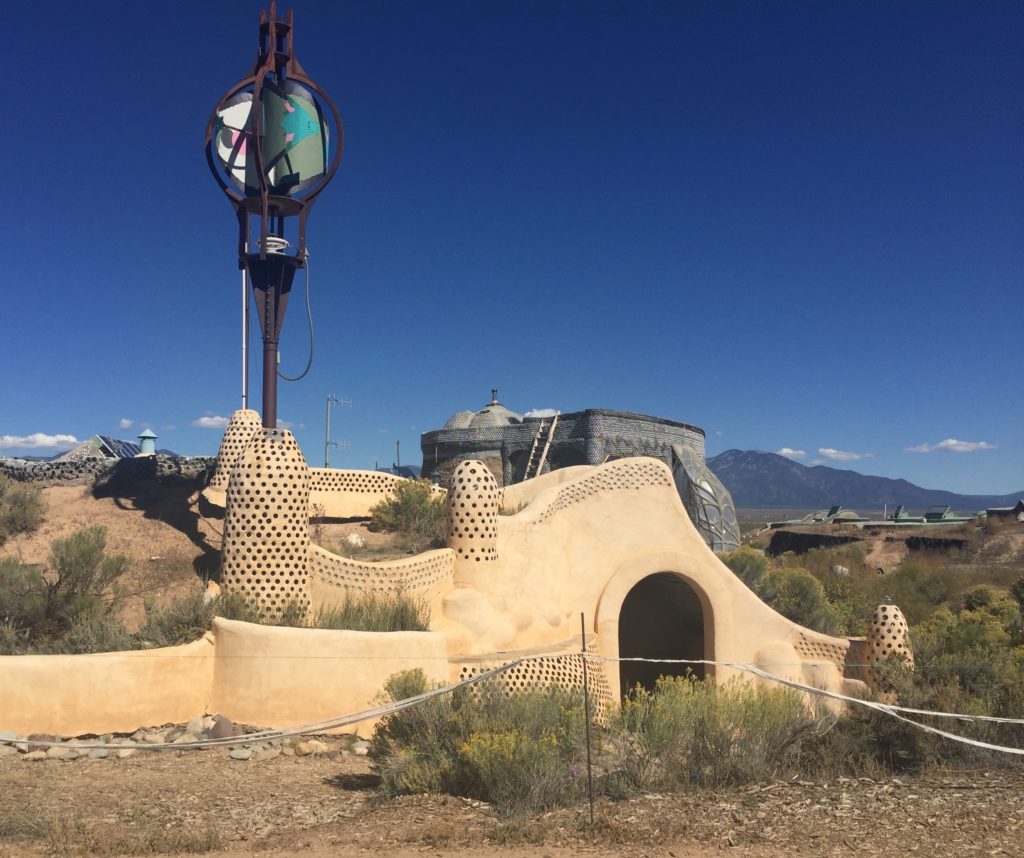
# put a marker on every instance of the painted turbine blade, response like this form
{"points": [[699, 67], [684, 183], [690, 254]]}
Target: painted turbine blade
{"points": [[233, 141], [294, 137]]}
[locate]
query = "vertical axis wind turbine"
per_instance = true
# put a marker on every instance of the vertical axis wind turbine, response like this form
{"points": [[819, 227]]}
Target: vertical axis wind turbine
{"points": [[268, 145]]}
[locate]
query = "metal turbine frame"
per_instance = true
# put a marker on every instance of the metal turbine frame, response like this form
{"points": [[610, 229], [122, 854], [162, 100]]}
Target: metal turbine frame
{"points": [[271, 280]]}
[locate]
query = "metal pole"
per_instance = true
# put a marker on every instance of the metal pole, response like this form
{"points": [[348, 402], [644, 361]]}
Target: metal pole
{"points": [[586, 711], [245, 335], [327, 436]]}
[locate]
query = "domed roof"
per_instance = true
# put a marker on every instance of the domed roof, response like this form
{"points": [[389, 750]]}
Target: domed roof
{"points": [[459, 420], [494, 414]]}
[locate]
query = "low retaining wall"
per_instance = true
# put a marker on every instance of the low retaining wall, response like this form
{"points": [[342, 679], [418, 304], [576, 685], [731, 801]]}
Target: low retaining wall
{"points": [[111, 472], [262, 675]]}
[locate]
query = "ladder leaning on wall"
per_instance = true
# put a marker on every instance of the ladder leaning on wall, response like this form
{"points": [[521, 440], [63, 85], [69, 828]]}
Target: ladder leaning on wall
{"points": [[535, 464]]}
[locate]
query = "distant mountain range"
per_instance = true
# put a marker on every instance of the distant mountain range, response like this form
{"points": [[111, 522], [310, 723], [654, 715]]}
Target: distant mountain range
{"points": [[759, 479]]}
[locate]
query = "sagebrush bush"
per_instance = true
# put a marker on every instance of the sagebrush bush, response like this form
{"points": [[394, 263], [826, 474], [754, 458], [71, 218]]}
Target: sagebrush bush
{"points": [[748, 565], [689, 732], [416, 513], [80, 589], [800, 597], [524, 753], [21, 508], [375, 612]]}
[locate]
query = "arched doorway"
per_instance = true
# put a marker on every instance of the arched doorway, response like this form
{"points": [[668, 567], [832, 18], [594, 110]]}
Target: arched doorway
{"points": [[661, 617]]}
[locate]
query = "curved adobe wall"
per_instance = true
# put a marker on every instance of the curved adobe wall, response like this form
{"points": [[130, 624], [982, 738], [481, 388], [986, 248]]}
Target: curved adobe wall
{"points": [[335, 493]]}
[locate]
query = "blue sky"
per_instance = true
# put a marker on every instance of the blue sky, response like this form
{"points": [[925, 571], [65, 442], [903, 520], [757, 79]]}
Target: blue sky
{"points": [[798, 225]]}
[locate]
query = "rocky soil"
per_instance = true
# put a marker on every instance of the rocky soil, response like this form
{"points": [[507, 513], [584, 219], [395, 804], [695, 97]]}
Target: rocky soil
{"points": [[316, 797]]}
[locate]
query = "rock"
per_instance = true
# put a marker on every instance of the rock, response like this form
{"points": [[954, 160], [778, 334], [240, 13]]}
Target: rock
{"points": [[44, 738], [99, 754], [8, 751], [173, 734], [361, 748], [59, 752], [355, 540], [840, 571], [124, 753], [185, 739], [310, 746], [240, 754], [34, 756], [156, 737], [211, 593], [105, 739], [196, 726], [265, 754], [223, 727], [288, 751]]}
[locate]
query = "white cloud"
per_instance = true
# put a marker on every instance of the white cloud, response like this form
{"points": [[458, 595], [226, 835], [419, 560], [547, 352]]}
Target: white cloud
{"points": [[126, 423], [37, 441], [790, 453], [842, 455], [951, 445], [211, 422], [542, 412]]}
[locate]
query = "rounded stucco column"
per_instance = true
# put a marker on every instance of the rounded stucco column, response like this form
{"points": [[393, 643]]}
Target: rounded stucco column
{"points": [[472, 525], [888, 639], [266, 525], [243, 425]]}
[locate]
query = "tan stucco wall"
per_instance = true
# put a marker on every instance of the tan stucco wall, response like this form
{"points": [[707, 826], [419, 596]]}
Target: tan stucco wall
{"points": [[277, 677], [109, 692], [263, 675]]}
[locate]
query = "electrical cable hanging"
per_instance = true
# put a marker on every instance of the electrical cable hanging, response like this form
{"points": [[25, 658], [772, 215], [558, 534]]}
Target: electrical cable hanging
{"points": [[309, 317]]}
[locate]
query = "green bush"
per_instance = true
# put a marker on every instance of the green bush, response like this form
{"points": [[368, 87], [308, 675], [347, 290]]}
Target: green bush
{"points": [[178, 622], [373, 612], [799, 596], [523, 753], [689, 732], [21, 508], [416, 513], [748, 565], [80, 589]]}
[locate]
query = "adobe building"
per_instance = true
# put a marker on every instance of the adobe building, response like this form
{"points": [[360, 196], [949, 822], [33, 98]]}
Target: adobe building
{"points": [[517, 447]]}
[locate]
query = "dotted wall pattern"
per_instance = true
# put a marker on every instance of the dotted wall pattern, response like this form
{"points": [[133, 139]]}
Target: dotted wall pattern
{"points": [[617, 476], [888, 637], [266, 525], [331, 480], [472, 527], [545, 671], [243, 426], [822, 648], [430, 572]]}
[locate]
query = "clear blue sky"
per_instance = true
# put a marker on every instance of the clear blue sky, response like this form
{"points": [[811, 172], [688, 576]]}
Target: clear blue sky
{"points": [[797, 225]]}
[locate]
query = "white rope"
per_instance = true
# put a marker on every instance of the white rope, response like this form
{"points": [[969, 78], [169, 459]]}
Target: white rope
{"points": [[397, 706]]}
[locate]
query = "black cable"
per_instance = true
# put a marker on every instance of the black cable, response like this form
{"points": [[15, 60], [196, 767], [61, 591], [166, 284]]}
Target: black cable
{"points": [[309, 316]]}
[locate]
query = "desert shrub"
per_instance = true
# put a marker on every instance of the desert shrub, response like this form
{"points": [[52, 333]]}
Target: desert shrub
{"points": [[748, 565], [21, 508], [1017, 591], [799, 596], [80, 589], [373, 612], [918, 586], [523, 753], [689, 732], [415, 512], [180, 621]]}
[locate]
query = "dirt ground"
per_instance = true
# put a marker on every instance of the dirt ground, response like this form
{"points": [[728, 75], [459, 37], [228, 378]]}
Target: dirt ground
{"points": [[327, 805]]}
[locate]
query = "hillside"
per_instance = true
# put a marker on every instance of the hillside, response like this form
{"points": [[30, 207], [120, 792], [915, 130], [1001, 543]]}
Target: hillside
{"points": [[759, 479]]}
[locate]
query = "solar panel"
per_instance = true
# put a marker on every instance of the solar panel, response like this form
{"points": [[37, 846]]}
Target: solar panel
{"points": [[120, 449]]}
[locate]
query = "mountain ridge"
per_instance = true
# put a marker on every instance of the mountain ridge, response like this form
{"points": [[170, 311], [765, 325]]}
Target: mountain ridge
{"points": [[757, 478]]}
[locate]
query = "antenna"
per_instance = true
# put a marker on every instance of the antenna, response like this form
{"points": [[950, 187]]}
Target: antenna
{"points": [[328, 443]]}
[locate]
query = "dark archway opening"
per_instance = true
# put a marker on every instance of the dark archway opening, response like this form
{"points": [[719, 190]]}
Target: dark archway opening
{"points": [[661, 617]]}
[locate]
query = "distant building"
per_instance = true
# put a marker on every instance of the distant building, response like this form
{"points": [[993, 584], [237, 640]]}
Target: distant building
{"points": [[101, 447], [1007, 513], [516, 447]]}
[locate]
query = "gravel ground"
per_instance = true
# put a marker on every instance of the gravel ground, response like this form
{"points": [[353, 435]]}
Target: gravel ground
{"points": [[325, 804]]}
